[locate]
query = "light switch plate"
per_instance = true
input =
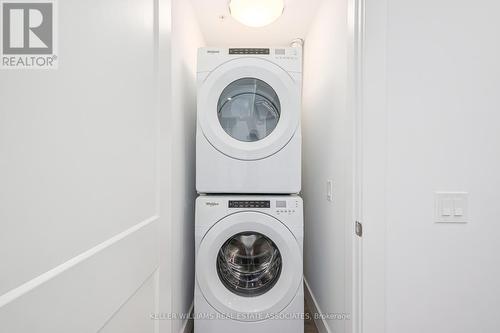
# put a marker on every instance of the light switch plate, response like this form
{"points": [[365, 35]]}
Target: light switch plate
{"points": [[329, 190], [452, 207]]}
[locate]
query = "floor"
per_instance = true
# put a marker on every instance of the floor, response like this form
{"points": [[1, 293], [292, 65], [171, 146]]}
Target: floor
{"points": [[309, 326]]}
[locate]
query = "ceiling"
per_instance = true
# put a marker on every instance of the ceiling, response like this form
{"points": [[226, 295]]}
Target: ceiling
{"points": [[220, 29]]}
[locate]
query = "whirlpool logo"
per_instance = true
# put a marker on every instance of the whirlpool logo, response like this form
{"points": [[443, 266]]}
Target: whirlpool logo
{"points": [[28, 34], [211, 203]]}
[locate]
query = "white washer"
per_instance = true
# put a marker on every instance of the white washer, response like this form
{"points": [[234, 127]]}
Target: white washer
{"points": [[249, 264], [248, 137]]}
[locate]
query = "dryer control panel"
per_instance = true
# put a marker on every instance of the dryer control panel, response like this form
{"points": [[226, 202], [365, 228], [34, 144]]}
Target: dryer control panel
{"points": [[286, 58], [249, 51]]}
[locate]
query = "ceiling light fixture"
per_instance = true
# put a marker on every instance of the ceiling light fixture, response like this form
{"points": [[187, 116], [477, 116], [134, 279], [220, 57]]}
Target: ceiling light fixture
{"points": [[256, 13]]}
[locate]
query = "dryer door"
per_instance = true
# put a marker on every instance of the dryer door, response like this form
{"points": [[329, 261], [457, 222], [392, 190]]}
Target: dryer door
{"points": [[249, 108], [249, 266]]}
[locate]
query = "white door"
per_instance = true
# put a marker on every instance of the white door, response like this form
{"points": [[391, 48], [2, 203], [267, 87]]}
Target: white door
{"points": [[78, 215], [249, 108], [247, 264]]}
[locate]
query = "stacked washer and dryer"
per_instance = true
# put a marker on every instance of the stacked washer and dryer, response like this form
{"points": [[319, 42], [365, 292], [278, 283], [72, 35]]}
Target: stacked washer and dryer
{"points": [[249, 217]]}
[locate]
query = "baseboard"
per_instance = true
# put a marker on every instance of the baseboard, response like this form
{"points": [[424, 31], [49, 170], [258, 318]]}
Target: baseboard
{"points": [[320, 323], [187, 327]]}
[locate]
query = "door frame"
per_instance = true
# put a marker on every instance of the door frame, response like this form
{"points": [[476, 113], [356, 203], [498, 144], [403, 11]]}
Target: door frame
{"points": [[356, 28], [369, 104]]}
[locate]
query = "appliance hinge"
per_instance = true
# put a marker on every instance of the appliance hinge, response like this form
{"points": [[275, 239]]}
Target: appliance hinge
{"points": [[359, 229]]}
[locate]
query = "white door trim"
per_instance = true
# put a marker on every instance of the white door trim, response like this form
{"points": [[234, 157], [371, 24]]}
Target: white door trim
{"points": [[370, 161], [356, 17]]}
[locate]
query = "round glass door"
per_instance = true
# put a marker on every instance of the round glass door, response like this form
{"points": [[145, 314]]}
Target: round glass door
{"points": [[248, 109], [249, 264]]}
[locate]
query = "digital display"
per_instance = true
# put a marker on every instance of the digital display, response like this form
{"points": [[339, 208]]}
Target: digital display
{"points": [[248, 51], [280, 204], [249, 204]]}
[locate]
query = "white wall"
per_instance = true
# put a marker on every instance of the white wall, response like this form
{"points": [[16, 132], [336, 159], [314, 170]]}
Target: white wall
{"points": [[327, 155], [442, 129], [78, 162], [186, 38]]}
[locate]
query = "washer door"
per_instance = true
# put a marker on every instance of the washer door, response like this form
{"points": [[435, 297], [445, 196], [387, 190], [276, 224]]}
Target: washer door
{"points": [[249, 266], [249, 108]]}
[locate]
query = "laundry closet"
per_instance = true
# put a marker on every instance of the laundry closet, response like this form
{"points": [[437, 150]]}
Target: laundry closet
{"points": [[399, 167], [321, 35]]}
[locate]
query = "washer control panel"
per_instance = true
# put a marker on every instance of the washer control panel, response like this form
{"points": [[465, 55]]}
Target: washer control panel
{"points": [[249, 204], [286, 206]]}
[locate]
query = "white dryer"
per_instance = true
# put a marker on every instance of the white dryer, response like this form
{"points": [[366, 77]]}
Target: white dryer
{"points": [[249, 264], [248, 137]]}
